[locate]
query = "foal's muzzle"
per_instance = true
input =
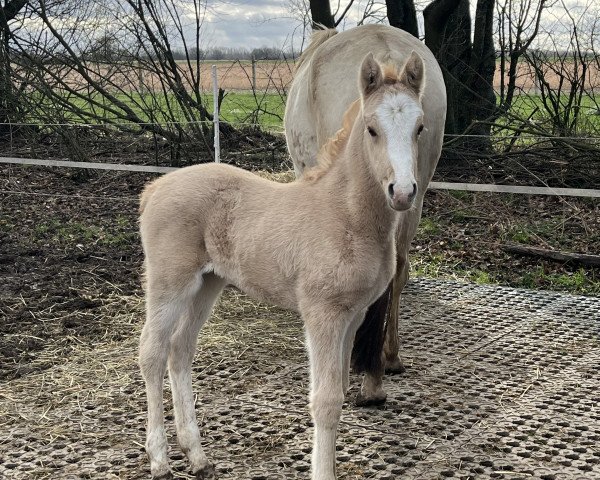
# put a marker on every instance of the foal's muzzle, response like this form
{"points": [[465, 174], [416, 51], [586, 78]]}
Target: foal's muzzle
{"points": [[402, 197]]}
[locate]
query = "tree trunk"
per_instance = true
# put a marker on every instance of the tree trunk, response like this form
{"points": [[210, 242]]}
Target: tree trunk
{"points": [[468, 67], [320, 11], [448, 35], [402, 14], [483, 66]]}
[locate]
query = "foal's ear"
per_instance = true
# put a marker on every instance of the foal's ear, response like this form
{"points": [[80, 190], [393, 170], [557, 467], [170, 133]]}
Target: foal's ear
{"points": [[413, 73], [371, 76]]}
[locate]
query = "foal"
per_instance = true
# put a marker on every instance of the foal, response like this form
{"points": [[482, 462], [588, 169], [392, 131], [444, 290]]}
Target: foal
{"points": [[323, 246]]}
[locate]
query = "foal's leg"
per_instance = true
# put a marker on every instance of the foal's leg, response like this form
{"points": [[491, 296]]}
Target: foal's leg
{"points": [[161, 316], [393, 364], [183, 347], [325, 334]]}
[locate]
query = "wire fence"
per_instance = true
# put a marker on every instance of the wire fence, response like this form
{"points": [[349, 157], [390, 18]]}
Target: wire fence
{"points": [[468, 187], [161, 144], [534, 159], [272, 129]]}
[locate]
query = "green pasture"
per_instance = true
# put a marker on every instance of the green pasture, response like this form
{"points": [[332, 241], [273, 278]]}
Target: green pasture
{"points": [[241, 107], [532, 107], [266, 110]]}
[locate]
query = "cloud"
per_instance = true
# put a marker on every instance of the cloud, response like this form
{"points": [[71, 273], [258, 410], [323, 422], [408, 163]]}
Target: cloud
{"points": [[249, 24], [270, 23]]}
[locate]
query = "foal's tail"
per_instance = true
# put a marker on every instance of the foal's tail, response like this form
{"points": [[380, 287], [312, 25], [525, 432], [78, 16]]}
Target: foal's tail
{"points": [[367, 354], [146, 194]]}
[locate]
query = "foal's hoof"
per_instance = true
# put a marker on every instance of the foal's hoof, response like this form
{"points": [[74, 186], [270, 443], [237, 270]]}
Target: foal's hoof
{"points": [[394, 366], [364, 401], [164, 476], [206, 473]]}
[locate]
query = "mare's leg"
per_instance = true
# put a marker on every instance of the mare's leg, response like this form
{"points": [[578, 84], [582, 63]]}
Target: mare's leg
{"points": [[325, 335], [404, 235], [348, 345], [393, 364], [162, 313], [183, 347], [371, 390], [368, 351]]}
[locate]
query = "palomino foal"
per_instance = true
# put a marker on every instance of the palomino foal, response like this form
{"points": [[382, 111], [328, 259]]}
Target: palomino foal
{"points": [[323, 246]]}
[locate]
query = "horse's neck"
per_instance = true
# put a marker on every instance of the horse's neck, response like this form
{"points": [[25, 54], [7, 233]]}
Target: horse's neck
{"points": [[352, 176]]}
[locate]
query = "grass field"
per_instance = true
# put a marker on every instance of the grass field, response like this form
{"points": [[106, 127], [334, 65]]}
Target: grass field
{"points": [[242, 107], [532, 106], [266, 109]]}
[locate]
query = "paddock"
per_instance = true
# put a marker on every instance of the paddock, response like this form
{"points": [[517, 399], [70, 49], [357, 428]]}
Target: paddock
{"points": [[501, 383]]}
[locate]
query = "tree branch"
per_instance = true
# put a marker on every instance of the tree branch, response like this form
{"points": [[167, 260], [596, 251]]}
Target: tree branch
{"points": [[581, 258]]}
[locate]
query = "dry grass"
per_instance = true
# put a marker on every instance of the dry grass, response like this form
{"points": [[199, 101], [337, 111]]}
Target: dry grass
{"points": [[274, 75], [285, 176], [103, 375]]}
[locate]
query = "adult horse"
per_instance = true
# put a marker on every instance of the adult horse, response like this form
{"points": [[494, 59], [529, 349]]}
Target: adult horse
{"points": [[323, 245], [322, 90]]}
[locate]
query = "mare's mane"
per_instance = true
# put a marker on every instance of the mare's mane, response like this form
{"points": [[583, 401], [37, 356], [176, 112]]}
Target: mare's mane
{"points": [[316, 39]]}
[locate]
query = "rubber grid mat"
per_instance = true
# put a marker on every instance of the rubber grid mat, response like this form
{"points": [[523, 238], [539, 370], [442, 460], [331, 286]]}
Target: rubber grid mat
{"points": [[500, 383]]}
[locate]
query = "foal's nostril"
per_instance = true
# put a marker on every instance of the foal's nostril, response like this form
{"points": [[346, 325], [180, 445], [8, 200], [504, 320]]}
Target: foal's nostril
{"points": [[391, 190], [414, 192]]}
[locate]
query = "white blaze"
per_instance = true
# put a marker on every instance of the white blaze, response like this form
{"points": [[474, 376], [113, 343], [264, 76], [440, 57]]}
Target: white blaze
{"points": [[398, 115]]}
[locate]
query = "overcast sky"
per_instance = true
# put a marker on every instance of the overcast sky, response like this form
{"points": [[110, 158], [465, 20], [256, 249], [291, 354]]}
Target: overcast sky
{"points": [[271, 23], [250, 24]]}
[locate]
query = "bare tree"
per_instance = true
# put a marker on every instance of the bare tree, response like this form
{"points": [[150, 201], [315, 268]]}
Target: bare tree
{"points": [[403, 15], [114, 62], [10, 106], [468, 65], [565, 69], [321, 14], [518, 26]]}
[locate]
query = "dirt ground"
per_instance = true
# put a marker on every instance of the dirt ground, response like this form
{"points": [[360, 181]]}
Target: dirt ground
{"points": [[69, 250]]}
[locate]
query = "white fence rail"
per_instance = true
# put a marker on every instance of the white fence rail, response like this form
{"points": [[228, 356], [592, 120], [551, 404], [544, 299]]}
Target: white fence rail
{"points": [[468, 187]]}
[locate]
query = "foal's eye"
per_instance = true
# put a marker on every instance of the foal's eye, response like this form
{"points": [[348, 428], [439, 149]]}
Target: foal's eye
{"points": [[420, 130], [372, 132]]}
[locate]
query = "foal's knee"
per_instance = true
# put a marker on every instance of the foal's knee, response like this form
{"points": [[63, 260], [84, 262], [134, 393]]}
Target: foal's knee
{"points": [[326, 408], [152, 355]]}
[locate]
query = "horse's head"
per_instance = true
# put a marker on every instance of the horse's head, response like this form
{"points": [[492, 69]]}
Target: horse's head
{"points": [[393, 119]]}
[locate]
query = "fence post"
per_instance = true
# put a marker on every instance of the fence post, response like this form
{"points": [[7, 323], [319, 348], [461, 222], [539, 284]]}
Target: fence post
{"points": [[253, 73], [216, 114]]}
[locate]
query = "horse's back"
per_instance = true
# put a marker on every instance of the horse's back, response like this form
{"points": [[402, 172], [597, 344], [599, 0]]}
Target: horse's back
{"points": [[326, 84], [194, 202]]}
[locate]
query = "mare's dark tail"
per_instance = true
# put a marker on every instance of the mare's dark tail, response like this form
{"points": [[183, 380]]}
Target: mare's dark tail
{"points": [[367, 354]]}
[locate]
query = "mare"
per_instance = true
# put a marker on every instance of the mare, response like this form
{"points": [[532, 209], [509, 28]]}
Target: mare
{"points": [[322, 90], [323, 245]]}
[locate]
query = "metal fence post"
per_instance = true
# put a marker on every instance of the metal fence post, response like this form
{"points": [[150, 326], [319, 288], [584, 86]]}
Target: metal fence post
{"points": [[216, 114], [253, 73]]}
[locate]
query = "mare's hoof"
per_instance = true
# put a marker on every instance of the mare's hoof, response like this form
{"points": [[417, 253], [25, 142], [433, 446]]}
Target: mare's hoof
{"points": [[206, 473], [395, 366], [363, 401]]}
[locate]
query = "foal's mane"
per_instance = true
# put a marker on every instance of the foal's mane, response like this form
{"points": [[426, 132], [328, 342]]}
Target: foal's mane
{"points": [[390, 73], [334, 146]]}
